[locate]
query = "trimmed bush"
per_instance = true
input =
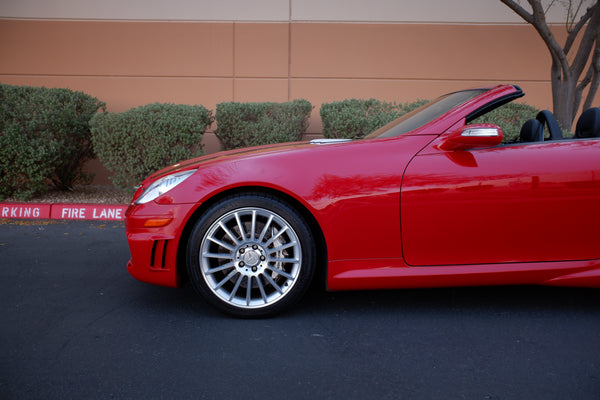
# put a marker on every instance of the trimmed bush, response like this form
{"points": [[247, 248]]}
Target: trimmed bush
{"points": [[44, 137], [355, 119], [254, 124], [135, 143], [510, 117]]}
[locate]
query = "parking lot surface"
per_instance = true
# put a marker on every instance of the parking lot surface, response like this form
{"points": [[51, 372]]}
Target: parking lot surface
{"points": [[75, 325]]}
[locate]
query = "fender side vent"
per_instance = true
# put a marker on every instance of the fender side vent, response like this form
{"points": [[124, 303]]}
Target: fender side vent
{"points": [[159, 254]]}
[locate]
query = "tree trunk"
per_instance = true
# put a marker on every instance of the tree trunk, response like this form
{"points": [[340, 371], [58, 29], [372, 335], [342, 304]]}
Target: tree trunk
{"points": [[564, 94], [565, 105], [566, 78]]}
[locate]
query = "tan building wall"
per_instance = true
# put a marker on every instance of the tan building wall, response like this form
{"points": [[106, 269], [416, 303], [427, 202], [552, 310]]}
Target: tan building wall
{"points": [[129, 53]]}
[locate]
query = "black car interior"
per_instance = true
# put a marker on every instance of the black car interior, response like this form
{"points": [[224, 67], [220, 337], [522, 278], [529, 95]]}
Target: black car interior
{"points": [[532, 131], [588, 126]]}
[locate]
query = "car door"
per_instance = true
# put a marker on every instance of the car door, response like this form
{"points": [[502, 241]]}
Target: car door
{"points": [[510, 203]]}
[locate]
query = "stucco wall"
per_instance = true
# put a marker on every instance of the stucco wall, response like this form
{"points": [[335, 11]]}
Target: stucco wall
{"points": [[129, 53]]}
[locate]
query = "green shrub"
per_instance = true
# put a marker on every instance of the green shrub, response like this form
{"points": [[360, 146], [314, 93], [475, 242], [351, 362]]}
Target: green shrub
{"points": [[253, 124], [44, 137], [354, 119], [510, 117], [135, 143]]}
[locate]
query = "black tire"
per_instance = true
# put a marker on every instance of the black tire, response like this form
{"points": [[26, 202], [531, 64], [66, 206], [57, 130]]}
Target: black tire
{"points": [[251, 255]]}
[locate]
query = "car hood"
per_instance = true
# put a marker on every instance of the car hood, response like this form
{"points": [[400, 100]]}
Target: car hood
{"points": [[238, 154]]}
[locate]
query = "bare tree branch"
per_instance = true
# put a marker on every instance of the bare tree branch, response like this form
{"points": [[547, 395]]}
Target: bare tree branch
{"points": [[538, 20], [586, 79], [516, 7], [567, 92], [595, 69], [570, 20], [581, 86], [550, 5], [575, 31], [587, 42]]}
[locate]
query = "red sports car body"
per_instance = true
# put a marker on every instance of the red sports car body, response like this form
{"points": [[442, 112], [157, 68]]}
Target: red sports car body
{"points": [[426, 201]]}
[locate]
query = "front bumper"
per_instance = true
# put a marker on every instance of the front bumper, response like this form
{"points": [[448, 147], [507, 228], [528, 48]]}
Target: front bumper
{"points": [[154, 234]]}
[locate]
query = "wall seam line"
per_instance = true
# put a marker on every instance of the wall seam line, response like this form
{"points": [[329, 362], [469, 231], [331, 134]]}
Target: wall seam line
{"points": [[289, 69], [266, 21], [233, 59], [332, 78]]}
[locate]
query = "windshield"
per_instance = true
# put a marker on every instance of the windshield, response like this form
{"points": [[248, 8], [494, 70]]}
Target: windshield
{"points": [[424, 114]]}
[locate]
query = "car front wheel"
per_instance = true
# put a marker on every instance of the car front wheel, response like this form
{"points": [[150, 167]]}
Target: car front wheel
{"points": [[251, 255]]}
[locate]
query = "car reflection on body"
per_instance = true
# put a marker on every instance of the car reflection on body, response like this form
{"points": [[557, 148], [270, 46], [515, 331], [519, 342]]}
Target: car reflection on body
{"points": [[429, 200]]}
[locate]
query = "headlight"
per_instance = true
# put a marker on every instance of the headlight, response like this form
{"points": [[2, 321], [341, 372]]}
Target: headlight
{"points": [[163, 185]]}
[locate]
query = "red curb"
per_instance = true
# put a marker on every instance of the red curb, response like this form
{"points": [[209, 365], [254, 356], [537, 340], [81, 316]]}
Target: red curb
{"points": [[63, 211]]}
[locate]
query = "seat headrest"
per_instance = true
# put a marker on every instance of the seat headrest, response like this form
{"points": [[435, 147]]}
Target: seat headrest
{"points": [[546, 117], [532, 131], [588, 124]]}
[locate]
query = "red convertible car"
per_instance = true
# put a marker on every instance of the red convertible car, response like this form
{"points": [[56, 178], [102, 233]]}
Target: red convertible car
{"points": [[429, 200]]}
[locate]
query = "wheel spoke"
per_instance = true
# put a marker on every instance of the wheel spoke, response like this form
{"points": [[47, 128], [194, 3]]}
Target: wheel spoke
{"points": [[249, 291], [270, 241], [263, 295], [273, 283], [265, 229], [224, 256], [228, 232], [280, 272], [236, 287], [240, 226], [228, 277], [282, 247], [284, 260], [222, 244], [253, 226], [220, 268]]}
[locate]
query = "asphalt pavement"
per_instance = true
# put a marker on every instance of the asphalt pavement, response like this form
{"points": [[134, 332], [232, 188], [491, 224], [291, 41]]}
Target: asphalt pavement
{"points": [[75, 325]]}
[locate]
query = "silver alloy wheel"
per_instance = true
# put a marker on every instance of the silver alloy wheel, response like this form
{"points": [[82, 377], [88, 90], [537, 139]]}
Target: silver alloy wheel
{"points": [[250, 257]]}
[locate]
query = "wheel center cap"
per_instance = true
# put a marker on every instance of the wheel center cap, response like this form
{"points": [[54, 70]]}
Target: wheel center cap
{"points": [[251, 258]]}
